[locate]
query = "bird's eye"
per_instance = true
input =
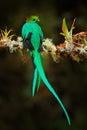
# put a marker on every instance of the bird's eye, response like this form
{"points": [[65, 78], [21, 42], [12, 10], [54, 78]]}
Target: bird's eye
{"points": [[33, 19]]}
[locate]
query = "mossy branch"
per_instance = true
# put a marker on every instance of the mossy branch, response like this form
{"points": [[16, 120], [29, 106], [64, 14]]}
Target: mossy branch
{"points": [[74, 45], [76, 50]]}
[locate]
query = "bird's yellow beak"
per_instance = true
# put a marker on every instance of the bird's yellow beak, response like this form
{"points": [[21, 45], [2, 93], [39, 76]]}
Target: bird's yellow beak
{"points": [[38, 20]]}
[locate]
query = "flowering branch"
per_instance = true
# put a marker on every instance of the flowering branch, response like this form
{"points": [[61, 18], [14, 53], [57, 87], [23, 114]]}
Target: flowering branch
{"points": [[74, 45]]}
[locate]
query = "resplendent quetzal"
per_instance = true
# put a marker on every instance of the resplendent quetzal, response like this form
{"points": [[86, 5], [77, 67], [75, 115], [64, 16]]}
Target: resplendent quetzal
{"points": [[32, 39]]}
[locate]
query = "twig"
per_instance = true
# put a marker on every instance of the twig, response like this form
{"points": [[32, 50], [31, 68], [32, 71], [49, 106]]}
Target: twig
{"points": [[74, 46]]}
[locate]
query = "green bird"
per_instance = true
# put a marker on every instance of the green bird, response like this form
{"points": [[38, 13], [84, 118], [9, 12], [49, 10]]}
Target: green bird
{"points": [[32, 35]]}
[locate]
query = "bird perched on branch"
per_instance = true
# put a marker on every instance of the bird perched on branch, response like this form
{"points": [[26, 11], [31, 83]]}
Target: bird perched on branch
{"points": [[32, 35]]}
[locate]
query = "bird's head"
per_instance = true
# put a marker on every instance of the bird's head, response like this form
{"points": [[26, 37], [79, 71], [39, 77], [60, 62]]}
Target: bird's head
{"points": [[33, 19]]}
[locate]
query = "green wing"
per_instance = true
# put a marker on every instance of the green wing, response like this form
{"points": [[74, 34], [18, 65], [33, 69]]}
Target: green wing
{"points": [[36, 33]]}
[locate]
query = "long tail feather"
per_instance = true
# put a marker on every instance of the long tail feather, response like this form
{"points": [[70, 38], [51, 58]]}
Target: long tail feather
{"points": [[34, 81], [37, 62], [39, 81]]}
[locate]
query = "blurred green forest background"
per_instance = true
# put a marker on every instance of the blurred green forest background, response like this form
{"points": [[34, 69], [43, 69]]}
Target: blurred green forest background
{"points": [[18, 109]]}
